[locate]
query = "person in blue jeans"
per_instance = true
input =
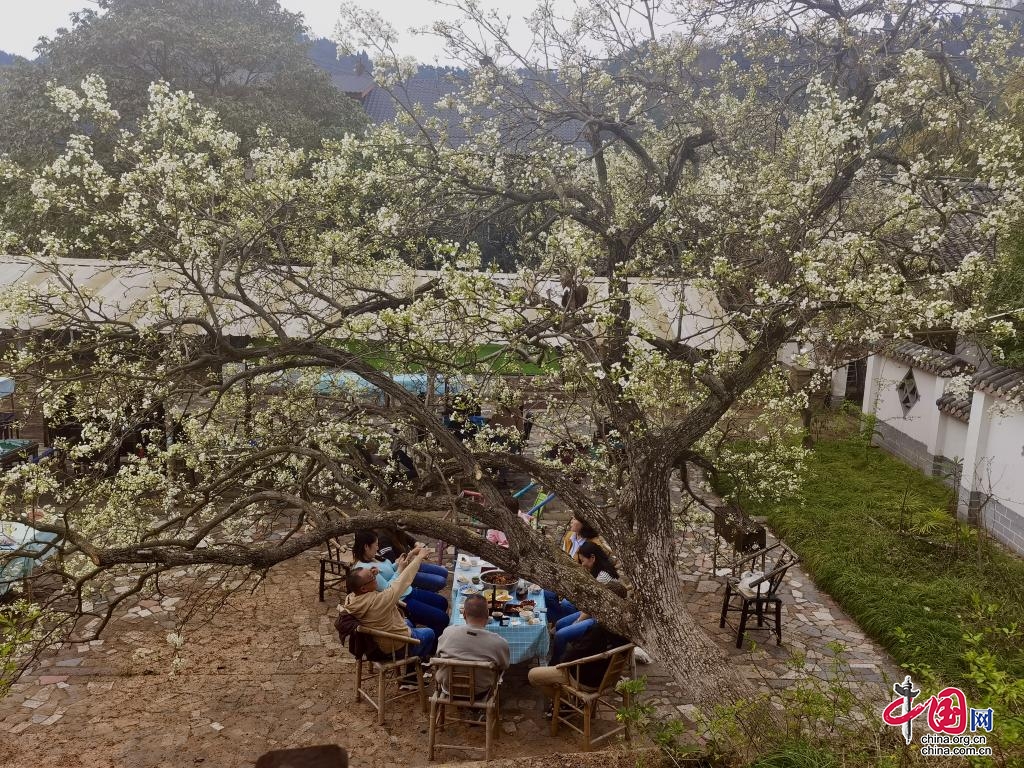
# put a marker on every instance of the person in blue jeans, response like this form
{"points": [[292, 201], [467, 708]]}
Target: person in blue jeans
{"points": [[428, 641], [576, 624], [580, 534], [567, 629], [376, 608], [422, 606], [393, 543]]}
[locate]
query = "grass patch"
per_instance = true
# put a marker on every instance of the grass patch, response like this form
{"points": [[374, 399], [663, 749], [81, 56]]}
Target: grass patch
{"points": [[875, 535], [484, 358]]}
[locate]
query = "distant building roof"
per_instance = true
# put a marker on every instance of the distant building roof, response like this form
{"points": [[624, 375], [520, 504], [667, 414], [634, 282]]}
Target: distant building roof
{"points": [[957, 243], [352, 75], [427, 89]]}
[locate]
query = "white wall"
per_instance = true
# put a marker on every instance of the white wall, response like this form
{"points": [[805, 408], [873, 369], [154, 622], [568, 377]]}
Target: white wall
{"points": [[921, 422], [990, 446], [954, 438], [1000, 469]]}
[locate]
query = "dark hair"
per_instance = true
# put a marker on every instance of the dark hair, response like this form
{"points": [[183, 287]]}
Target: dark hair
{"points": [[400, 541], [602, 563], [475, 607], [355, 579], [587, 531], [363, 539]]}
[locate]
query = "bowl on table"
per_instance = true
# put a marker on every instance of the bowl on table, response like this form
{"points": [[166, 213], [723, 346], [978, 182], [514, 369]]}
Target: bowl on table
{"points": [[526, 613], [498, 579], [462, 579]]}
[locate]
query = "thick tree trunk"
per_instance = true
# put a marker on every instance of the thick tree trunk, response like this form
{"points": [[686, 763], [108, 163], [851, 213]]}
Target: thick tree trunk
{"points": [[663, 621]]}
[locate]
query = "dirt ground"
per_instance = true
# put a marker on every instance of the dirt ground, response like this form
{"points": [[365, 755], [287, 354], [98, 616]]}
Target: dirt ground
{"points": [[266, 672]]}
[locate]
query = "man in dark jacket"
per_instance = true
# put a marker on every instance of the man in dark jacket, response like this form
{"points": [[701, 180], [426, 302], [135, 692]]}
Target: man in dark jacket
{"points": [[597, 639]]}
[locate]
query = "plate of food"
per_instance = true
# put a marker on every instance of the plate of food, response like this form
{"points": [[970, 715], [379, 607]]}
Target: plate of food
{"points": [[533, 622], [469, 589], [462, 579]]}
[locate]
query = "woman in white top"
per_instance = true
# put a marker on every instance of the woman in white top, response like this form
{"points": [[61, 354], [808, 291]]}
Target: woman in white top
{"points": [[593, 557], [573, 626]]}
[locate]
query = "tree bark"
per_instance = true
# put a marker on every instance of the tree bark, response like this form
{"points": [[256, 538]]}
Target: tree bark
{"points": [[662, 619]]}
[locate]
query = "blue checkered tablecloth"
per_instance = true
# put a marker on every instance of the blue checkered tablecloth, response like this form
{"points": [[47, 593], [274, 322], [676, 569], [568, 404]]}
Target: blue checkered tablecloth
{"points": [[525, 641]]}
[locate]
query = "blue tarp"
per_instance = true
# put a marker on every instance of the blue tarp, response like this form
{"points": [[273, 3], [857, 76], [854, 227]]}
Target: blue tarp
{"points": [[14, 537]]}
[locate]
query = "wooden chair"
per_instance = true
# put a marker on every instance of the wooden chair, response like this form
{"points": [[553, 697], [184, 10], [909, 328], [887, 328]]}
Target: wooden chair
{"points": [[389, 669], [462, 694], [586, 702], [10, 428], [333, 568], [752, 595]]}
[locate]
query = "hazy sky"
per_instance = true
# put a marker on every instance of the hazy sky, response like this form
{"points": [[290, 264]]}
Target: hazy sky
{"points": [[23, 23]]}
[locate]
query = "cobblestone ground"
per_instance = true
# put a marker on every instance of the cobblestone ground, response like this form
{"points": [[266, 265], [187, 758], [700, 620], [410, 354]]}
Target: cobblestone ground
{"points": [[820, 643], [267, 672], [814, 628]]}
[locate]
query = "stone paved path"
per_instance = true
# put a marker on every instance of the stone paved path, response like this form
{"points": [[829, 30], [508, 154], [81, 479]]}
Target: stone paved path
{"points": [[268, 672], [812, 626]]}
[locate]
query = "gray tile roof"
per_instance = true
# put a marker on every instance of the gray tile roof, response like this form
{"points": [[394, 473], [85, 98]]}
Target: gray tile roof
{"points": [[927, 359], [957, 407], [1003, 382], [427, 87]]}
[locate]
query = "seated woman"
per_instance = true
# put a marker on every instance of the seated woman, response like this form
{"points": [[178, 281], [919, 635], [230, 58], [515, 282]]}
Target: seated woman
{"points": [[575, 624], [392, 543], [596, 560], [579, 533], [425, 608]]}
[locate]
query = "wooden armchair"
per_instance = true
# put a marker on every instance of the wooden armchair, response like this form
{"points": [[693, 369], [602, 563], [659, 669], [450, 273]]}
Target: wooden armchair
{"points": [[389, 669], [766, 568], [333, 568], [463, 693], [585, 702]]}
